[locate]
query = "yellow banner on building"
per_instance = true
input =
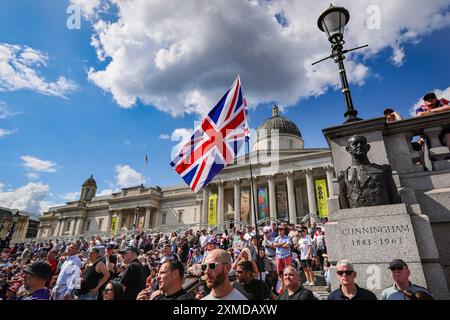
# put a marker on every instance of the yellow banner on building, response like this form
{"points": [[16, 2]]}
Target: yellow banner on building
{"points": [[113, 224], [212, 209], [322, 196]]}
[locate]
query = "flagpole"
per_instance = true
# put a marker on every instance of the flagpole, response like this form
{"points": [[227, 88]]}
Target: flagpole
{"points": [[255, 214]]}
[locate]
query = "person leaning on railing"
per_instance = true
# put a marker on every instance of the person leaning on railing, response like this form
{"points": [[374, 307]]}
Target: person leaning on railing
{"points": [[434, 105]]}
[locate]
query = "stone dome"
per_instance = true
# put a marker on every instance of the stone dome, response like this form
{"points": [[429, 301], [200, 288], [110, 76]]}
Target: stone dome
{"points": [[90, 182], [282, 124]]}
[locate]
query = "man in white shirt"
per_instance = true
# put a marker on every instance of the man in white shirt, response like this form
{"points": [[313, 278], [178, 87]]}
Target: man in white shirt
{"points": [[250, 233], [217, 268], [305, 248], [204, 239], [68, 276]]}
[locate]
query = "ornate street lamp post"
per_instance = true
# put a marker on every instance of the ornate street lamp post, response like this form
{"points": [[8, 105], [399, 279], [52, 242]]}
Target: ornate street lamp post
{"points": [[333, 22]]}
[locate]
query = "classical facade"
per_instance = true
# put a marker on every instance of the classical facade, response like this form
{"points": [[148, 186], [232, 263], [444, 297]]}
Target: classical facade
{"points": [[286, 186], [19, 224]]}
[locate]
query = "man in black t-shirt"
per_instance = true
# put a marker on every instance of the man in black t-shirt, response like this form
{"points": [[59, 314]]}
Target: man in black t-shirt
{"points": [[294, 289], [133, 279], [250, 287], [170, 281]]}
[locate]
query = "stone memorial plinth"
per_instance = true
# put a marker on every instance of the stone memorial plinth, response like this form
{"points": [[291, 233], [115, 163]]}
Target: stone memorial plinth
{"points": [[370, 237]]}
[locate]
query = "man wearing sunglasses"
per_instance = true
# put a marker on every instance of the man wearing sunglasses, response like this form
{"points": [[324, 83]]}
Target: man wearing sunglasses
{"points": [[400, 274], [217, 267], [349, 290]]}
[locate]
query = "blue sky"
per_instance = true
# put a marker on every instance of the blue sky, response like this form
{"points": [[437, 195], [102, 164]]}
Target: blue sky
{"points": [[66, 122]]}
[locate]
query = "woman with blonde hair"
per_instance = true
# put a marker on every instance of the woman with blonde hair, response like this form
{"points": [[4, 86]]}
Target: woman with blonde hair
{"points": [[247, 256]]}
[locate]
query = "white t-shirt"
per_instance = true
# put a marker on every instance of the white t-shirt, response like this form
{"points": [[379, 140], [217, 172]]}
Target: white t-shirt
{"points": [[320, 240], [303, 246], [234, 295], [204, 240]]}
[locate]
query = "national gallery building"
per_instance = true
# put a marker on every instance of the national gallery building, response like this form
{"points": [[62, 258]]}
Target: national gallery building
{"points": [[289, 182]]}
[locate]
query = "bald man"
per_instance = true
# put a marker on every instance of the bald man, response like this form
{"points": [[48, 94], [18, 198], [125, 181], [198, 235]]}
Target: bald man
{"points": [[217, 266]]}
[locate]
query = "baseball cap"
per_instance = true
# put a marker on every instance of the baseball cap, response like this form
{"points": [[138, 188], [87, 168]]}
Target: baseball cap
{"points": [[110, 246], [39, 269], [397, 263], [134, 249], [94, 249]]}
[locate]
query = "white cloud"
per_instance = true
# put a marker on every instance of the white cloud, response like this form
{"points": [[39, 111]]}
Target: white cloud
{"points": [[70, 196], [5, 112], [45, 205], [180, 56], [1, 186], [88, 7], [164, 136], [35, 164], [18, 71], [128, 143], [32, 176], [128, 177], [27, 198], [445, 93], [4, 132], [398, 56]]}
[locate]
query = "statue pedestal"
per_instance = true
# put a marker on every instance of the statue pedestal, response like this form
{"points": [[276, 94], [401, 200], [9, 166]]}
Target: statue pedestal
{"points": [[370, 237]]}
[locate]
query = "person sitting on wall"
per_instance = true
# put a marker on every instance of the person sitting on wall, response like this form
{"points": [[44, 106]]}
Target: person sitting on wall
{"points": [[433, 105]]}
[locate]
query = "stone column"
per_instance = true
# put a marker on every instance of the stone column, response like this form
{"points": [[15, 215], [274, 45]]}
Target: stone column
{"points": [[272, 197], [148, 211], [58, 225], [81, 225], [237, 200], [330, 172], [204, 214], [61, 227], [291, 197], [310, 190], [136, 218], [73, 227], [108, 227], [119, 221], [220, 203]]}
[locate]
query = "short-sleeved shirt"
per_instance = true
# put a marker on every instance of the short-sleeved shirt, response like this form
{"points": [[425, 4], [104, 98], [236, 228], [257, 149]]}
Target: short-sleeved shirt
{"points": [[303, 245], [204, 240], [254, 290], [234, 295], [425, 108], [361, 294], [41, 294], [300, 294], [269, 251], [320, 239], [392, 293], [282, 253], [133, 279]]}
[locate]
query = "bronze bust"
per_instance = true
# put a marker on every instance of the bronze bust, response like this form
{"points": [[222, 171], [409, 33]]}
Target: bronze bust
{"points": [[365, 184]]}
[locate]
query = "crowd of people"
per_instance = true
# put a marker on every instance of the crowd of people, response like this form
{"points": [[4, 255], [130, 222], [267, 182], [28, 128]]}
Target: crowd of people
{"points": [[266, 266]]}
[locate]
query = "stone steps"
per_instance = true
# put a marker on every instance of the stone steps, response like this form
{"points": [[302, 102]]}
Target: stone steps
{"points": [[320, 286]]}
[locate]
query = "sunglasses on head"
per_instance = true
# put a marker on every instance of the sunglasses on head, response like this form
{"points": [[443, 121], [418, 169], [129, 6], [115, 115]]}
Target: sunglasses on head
{"points": [[347, 273], [211, 266]]}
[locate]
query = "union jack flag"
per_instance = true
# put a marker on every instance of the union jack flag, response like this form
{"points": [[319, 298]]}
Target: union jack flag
{"points": [[216, 141]]}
